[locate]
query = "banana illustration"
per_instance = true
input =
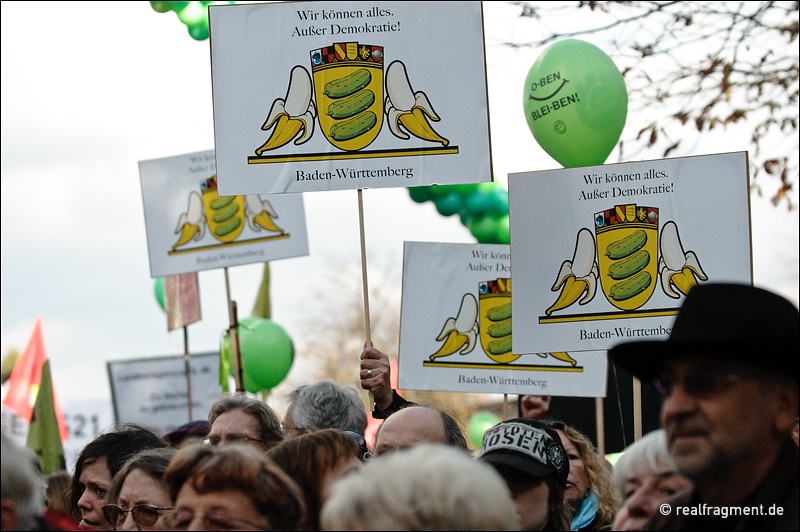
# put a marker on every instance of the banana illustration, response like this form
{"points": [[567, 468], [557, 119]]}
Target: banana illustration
{"points": [[260, 214], [676, 267], [563, 356], [409, 111], [293, 115], [560, 355], [577, 276], [191, 224], [460, 332]]}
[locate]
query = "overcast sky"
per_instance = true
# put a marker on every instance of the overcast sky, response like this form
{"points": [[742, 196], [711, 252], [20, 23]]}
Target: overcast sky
{"points": [[90, 89]]}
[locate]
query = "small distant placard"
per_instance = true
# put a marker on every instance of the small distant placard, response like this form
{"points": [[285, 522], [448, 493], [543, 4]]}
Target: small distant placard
{"points": [[153, 391], [190, 227]]}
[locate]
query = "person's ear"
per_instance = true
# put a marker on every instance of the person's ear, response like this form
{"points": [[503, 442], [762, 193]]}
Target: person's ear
{"points": [[786, 397]]}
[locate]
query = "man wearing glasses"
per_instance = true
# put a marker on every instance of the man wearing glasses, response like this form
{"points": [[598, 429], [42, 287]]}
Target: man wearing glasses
{"points": [[239, 418], [728, 375]]}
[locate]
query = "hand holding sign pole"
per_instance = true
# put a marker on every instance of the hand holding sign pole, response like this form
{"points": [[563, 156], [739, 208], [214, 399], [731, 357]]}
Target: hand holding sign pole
{"points": [[575, 103]]}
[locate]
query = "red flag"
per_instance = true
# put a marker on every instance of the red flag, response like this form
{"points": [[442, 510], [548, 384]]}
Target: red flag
{"points": [[181, 300], [26, 377]]}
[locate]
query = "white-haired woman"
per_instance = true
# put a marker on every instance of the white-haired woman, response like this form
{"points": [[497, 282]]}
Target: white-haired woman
{"points": [[645, 476]]}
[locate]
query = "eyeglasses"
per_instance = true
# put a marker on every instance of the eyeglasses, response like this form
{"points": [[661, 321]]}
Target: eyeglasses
{"points": [[229, 438], [143, 514], [216, 519], [699, 383]]}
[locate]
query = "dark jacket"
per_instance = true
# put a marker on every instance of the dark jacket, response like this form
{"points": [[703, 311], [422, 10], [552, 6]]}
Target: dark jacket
{"points": [[779, 491], [398, 403]]}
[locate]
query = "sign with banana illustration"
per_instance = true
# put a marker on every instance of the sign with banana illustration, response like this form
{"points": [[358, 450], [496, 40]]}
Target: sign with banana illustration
{"points": [[190, 227], [615, 265], [315, 96], [456, 329]]}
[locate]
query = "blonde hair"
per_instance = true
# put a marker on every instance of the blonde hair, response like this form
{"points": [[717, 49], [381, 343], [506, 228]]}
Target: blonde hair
{"points": [[599, 474]]}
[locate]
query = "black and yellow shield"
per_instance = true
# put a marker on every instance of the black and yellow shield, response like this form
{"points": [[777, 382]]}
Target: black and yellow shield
{"points": [[494, 319], [348, 88], [627, 254], [225, 215]]}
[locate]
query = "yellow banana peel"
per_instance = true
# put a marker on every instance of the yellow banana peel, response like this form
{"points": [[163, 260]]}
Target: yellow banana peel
{"points": [[265, 221], [561, 355], [683, 280], [417, 124], [452, 343], [286, 128], [187, 233], [571, 291]]}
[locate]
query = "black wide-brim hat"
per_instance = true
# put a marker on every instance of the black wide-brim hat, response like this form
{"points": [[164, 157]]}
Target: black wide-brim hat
{"points": [[724, 321]]}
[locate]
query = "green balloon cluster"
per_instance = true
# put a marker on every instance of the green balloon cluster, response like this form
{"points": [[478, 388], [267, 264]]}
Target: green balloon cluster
{"points": [[193, 14], [266, 352], [482, 208]]}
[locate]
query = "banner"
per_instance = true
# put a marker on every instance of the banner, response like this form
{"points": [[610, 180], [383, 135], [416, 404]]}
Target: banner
{"points": [[26, 377], [44, 437], [314, 96], [606, 254], [456, 329], [181, 300], [152, 391], [191, 227]]}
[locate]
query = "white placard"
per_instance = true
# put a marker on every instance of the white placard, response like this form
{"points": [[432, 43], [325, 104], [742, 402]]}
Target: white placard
{"points": [[313, 96], [85, 420], [190, 227], [456, 329], [153, 391], [606, 254]]}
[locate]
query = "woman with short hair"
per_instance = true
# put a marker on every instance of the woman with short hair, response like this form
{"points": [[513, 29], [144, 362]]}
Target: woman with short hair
{"points": [[138, 497], [231, 487]]}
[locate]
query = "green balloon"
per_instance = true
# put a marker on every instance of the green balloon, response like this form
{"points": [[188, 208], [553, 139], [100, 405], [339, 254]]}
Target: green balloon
{"points": [[482, 229], [266, 351], [448, 204], [158, 287], [199, 31], [419, 194], [479, 423], [502, 231], [225, 368], [249, 321], [478, 203], [498, 202], [437, 191], [575, 103]]}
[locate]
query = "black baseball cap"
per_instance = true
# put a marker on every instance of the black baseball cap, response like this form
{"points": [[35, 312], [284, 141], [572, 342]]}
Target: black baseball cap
{"points": [[528, 446]]}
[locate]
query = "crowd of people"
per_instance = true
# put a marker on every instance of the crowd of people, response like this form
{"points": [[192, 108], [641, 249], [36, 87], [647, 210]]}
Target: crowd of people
{"points": [[727, 451]]}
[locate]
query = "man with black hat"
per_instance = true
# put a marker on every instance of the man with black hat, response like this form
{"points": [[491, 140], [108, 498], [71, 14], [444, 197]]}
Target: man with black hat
{"points": [[531, 459], [728, 375]]}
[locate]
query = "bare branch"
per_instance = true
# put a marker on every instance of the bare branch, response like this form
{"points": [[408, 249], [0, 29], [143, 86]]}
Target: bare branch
{"points": [[696, 67]]}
